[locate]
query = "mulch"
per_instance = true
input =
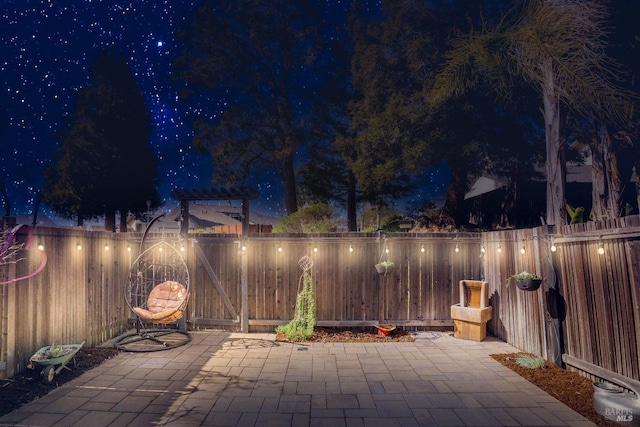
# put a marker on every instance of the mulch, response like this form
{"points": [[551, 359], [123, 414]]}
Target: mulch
{"points": [[568, 387], [29, 385]]}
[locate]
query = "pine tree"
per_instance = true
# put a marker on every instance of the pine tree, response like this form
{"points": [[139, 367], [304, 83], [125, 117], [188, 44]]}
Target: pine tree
{"points": [[105, 162]]}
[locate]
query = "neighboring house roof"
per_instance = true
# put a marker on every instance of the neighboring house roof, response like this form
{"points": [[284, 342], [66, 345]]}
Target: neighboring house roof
{"points": [[576, 172], [485, 184], [41, 220], [221, 215]]}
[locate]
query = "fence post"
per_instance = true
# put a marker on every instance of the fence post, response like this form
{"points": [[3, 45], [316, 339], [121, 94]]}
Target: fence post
{"points": [[244, 289]]}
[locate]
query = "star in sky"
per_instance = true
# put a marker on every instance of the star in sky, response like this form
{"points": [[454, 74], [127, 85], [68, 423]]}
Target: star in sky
{"points": [[48, 47]]}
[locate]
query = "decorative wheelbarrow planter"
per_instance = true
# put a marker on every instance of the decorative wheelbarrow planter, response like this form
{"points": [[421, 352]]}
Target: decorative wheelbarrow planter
{"points": [[54, 358]]}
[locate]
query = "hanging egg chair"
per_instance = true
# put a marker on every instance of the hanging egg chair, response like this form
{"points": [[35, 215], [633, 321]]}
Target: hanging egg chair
{"points": [[157, 294]]}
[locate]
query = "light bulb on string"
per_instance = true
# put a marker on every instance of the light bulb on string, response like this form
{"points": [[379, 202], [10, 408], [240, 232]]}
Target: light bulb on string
{"points": [[600, 249], [422, 249], [553, 247], [499, 248]]}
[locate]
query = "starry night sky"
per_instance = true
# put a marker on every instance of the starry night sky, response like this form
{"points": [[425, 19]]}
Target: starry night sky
{"points": [[48, 47], [47, 50]]}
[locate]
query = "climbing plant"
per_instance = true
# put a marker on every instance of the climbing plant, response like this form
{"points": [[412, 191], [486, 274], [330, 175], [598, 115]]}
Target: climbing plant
{"points": [[301, 326]]}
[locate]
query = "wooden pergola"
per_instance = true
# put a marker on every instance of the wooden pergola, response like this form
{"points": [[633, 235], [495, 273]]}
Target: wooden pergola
{"points": [[221, 193]]}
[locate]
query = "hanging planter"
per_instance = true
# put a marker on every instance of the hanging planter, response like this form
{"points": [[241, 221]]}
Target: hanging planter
{"points": [[526, 281], [384, 267]]}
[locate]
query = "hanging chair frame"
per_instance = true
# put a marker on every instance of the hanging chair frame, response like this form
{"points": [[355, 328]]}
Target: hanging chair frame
{"points": [[157, 294]]}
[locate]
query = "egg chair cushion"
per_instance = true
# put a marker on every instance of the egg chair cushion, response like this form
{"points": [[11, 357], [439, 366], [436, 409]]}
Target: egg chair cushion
{"points": [[165, 303]]}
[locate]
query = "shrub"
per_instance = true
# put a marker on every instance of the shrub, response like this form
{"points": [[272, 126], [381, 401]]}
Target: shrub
{"points": [[530, 361]]}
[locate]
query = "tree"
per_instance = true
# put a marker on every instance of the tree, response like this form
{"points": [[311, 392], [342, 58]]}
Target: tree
{"points": [[105, 162], [559, 47], [314, 218], [264, 60], [395, 132], [615, 147], [377, 149]]}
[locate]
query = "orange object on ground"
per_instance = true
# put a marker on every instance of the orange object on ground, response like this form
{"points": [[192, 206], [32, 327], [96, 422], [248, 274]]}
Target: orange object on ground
{"points": [[384, 330]]}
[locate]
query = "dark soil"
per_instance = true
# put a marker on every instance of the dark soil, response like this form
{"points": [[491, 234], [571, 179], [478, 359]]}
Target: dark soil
{"points": [[28, 386], [354, 335], [570, 388]]}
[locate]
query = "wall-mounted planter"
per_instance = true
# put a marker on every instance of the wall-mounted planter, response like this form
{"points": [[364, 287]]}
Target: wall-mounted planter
{"points": [[528, 284]]}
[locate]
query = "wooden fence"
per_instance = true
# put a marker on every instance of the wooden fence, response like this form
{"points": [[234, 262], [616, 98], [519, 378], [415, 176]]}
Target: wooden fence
{"points": [[77, 297], [587, 311], [349, 292]]}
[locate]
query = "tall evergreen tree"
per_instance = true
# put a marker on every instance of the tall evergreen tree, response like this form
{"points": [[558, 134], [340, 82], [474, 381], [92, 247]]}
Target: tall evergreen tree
{"points": [[105, 162], [265, 61], [395, 131]]}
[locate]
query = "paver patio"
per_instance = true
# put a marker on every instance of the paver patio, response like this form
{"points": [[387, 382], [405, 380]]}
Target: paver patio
{"points": [[233, 379]]}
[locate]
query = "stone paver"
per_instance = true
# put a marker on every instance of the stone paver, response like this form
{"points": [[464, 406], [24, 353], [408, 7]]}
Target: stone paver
{"points": [[233, 379]]}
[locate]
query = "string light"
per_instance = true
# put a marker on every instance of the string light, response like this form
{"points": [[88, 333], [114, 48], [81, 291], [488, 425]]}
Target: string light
{"points": [[128, 248], [457, 248], [315, 249], [40, 247], [482, 249], [279, 248], [499, 248], [350, 248], [160, 249], [181, 248], [422, 249], [600, 249], [79, 246], [522, 249], [553, 247], [106, 247], [386, 250], [244, 248]]}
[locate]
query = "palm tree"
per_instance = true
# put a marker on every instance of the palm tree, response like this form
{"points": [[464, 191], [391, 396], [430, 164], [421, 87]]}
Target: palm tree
{"points": [[558, 46]]}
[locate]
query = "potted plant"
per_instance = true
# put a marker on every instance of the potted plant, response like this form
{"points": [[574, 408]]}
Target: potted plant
{"points": [[384, 267], [526, 281]]}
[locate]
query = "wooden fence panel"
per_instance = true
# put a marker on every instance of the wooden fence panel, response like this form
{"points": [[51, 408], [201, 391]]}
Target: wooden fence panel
{"points": [[419, 291], [78, 296]]}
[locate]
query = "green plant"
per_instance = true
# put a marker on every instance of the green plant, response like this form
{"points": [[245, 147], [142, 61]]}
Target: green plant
{"points": [[530, 361], [385, 264], [523, 276], [301, 326], [54, 351]]}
